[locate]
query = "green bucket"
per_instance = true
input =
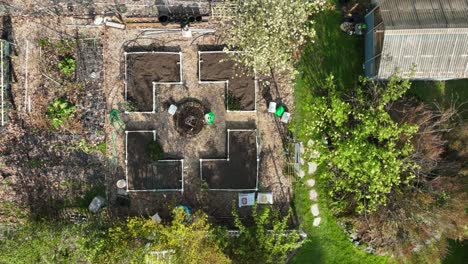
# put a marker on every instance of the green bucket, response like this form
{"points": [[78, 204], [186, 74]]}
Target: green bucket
{"points": [[209, 118], [279, 111]]}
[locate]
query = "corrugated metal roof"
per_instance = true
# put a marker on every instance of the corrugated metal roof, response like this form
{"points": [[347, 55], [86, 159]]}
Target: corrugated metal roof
{"points": [[436, 53], [412, 14]]}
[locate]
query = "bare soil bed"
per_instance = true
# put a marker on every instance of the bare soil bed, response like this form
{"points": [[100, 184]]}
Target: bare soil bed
{"points": [[241, 84], [144, 69], [146, 174], [239, 172]]}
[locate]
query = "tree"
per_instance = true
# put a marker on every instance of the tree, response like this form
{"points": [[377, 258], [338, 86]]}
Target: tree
{"points": [[366, 154], [269, 33], [191, 238], [266, 241]]}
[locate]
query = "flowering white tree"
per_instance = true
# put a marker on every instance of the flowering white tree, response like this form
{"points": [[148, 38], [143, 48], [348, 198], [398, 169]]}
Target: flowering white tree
{"points": [[269, 33]]}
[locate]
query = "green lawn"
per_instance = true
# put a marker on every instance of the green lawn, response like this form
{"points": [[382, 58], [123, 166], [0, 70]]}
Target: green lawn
{"points": [[335, 53], [443, 93]]}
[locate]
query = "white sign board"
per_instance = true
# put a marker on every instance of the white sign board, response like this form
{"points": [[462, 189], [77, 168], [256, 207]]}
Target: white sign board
{"points": [[246, 199], [265, 198]]}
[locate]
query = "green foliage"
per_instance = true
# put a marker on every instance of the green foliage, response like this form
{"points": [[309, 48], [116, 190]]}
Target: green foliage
{"points": [[67, 66], [233, 102], [40, 243], [194, 242], [326, 243], [268, 32], [155, 151], [368, 154], [43, 42], [86, 147], [59, 111], [265, 241]]}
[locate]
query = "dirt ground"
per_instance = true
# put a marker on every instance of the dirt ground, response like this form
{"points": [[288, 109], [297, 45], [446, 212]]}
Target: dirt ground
{"points": [[45, 170], [41, 168]]}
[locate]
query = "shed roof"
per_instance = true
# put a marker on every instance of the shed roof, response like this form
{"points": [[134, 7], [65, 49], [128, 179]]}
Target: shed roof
{"points": [[436, 53], [412, 14]]}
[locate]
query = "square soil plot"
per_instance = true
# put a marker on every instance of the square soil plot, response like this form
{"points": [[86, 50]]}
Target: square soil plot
{"points": [[217, 67], [144, 174], [143, 71], [240, 170]]}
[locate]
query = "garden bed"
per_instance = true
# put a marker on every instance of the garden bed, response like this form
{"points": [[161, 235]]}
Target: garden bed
{"points": [[240, 170], [146, 174], [219, 67], [143, 70]]}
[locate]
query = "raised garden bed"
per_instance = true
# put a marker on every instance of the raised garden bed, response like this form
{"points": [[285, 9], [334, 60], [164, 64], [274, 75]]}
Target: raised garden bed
{"points": [[143, 70], [146, 174], [240, 87], [239, 171]]}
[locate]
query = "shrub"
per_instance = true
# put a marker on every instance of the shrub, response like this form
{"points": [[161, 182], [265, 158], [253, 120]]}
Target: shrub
{"points": [[59, 111], [233, 102], [67, 66], [155, 151]]}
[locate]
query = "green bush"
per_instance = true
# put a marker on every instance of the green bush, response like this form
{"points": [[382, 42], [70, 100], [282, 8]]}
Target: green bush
{"points": [[233, 102], [59, 111], [155, 151], [67, 66]]}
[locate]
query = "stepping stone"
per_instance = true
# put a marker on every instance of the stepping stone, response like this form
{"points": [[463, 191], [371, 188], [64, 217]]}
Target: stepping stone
{"points": [[313, 195], [301, 174], [314, 210], [312, 167], [301, 161], [310, 183], [317, 221], [310, 143], [314, 154]]}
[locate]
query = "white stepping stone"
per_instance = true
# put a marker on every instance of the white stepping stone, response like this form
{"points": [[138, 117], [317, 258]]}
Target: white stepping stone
{"points": [[301, 174], [314, 209], [314, 154], [317, 221], [301, 161], [310, 143], [310, 183], [312, 167], [313, 195]]}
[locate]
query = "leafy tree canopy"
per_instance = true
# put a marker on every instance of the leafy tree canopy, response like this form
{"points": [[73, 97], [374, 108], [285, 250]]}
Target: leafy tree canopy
{"points": [[268, 32], [366, 154], [266, 241]]}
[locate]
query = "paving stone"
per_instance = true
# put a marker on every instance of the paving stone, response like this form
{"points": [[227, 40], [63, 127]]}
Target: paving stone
{"points": [[310, 183], [317, 221], [313, 195], [301, 174], [312, 167], [314, 210]]}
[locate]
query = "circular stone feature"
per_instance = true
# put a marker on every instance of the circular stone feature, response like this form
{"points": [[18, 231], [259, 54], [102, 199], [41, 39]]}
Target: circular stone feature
{"points": [[190, 118]]}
